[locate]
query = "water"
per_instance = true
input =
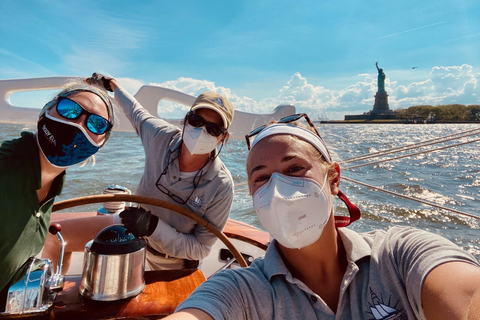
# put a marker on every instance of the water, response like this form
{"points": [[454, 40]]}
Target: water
{"points": [[448, 177]]}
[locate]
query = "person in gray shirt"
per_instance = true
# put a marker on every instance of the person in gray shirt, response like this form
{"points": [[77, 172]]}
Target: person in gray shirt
{"points": [[314, 269], [182, 167]]}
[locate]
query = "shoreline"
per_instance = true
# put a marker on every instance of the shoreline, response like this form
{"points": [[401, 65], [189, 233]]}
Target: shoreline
{"points": [[389, 122], [318, 122]]}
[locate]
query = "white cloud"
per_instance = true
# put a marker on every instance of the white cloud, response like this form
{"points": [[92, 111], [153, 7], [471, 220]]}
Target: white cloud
{"points": [[195, 87], [444, 85], [129, 84]]}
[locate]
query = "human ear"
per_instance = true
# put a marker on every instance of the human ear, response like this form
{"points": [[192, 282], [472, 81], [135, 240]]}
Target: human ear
{"points": [[224, 136], [334, 178]]}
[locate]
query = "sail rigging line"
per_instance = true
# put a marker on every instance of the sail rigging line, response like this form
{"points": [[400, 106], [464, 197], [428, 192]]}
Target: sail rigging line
{"points": [[400, 149], [410, 155], [244, 183], [412, 198], [414, 146], [241, 190]]}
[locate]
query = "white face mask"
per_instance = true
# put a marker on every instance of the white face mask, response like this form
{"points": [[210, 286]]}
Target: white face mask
{"points": [[197, 140], [293, 210]]}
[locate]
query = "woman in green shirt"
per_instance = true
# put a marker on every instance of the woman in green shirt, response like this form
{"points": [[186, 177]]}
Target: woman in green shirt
{"points": [[71, 127]]}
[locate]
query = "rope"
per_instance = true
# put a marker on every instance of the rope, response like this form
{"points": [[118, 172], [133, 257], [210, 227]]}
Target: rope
{"points": [[412, 198], [242, 190], [414, 146], [425, 143], [163, 204], [419, 144], [244, 183], [400, 149], [409, 155]]}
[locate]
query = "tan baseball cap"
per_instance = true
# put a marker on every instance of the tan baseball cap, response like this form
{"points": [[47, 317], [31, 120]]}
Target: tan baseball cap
{"points": [[214, 101]]}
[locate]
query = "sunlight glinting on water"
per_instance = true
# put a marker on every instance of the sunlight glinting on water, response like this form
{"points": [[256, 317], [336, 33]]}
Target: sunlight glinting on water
{"points": [[446, 177]]}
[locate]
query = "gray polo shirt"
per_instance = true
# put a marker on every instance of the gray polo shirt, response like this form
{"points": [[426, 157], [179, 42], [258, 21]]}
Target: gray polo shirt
{"points": [[383, 280], [176, 235]]}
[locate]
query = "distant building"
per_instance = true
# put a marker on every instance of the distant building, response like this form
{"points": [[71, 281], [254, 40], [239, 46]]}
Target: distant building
{"points": [[380, 111]]}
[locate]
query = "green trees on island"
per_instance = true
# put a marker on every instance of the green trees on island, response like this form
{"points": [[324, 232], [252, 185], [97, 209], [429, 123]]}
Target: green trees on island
{"points": [[448, 112]]}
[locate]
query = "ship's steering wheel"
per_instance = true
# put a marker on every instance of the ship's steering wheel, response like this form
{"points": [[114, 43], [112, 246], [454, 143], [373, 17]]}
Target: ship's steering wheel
{"points": [[155, 202]]}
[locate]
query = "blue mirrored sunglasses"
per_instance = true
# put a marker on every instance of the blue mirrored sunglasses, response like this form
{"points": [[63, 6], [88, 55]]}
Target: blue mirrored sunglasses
{"points": [[69, 109]]}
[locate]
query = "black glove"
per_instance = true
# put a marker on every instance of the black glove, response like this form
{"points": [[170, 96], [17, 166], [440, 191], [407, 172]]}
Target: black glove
{"points": [[139, 221], [100, 80]]}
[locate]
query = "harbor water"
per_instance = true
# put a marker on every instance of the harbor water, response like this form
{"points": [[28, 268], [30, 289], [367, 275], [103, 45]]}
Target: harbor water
{"points": [[448, 177]]}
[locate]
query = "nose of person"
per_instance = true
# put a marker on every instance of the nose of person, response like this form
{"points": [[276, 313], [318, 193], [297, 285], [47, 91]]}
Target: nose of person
{"points": [[81, 121]]}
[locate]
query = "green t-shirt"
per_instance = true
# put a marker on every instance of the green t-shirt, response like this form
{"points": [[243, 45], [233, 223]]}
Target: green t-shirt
{"points": [[23, 222]]}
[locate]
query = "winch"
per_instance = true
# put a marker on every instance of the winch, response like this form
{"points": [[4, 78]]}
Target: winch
{"points": [[114, 264], [36, 291]]}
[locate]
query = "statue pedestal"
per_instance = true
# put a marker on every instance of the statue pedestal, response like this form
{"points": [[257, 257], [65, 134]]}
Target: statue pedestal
{"points": [[380, 111], [381, 103]]}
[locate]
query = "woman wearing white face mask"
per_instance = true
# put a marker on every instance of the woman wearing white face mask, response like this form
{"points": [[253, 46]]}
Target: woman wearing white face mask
{"points": [[181, 166], [315, 270]]}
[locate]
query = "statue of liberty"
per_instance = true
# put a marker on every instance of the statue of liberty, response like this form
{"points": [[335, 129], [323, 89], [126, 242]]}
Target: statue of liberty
{"points": [[381, 79]]}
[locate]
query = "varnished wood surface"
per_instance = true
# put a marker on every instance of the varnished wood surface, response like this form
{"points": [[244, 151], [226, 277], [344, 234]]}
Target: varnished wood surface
{"points": [[239, 230], [233, 229], [164, 291]]}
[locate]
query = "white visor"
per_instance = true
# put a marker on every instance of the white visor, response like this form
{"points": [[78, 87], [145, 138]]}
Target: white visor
{"points": [[305, 134]]}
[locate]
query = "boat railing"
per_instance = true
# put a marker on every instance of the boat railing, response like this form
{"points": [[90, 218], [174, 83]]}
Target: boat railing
{"points": [[148, 95]]}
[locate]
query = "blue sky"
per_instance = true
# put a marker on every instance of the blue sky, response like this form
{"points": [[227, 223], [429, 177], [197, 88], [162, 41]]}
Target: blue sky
{"points": [[317, 55]]}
